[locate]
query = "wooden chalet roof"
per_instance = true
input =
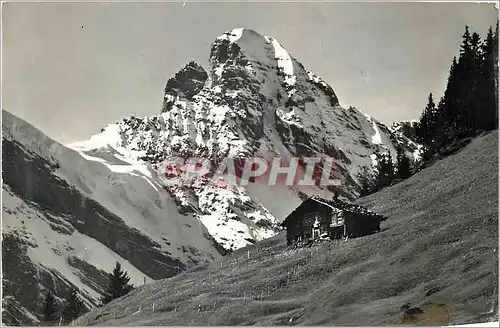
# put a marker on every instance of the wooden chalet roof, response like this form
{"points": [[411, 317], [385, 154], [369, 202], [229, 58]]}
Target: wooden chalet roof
{"points": [[339, 205]]}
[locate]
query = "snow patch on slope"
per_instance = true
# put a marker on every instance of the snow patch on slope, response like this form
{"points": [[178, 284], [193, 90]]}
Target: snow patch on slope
{"points": [[285, 64], [233, 35], [109, 136], [417, 153], [316, 79], [373, 157], [376, 138], [219, 206]]}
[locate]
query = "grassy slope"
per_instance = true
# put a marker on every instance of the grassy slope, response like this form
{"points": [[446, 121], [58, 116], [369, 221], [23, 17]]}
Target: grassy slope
{"points": [[438, 250]]}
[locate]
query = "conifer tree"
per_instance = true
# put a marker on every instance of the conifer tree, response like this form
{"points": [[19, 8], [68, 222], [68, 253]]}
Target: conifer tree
{"points": [[451, 97], [383, 175], [367, 181], [404, 165], [73, 306], [486, 116], [50, 309], [465, 48], [473, 101], [443, 130], [427, 127], [465, 81], [470, 101], [468, 76], [495, 61], [385, 170], [118, 284], [495, 74]]}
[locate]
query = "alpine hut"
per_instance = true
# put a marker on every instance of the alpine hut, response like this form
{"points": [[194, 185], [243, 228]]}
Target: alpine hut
{"points": [[318, 218]]}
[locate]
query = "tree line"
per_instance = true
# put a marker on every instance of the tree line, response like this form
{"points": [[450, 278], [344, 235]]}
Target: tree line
{"points": [[385, 171], [72, 305], [469, 104], [468, 107]]}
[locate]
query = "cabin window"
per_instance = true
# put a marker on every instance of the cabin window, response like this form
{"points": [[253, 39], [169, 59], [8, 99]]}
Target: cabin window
{"points": [[337, 219]]}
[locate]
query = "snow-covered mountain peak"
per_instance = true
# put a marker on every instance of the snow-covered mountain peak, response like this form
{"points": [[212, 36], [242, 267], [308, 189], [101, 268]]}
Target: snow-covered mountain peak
{"points": [[244, 51], [232, 35], [235, 55]]}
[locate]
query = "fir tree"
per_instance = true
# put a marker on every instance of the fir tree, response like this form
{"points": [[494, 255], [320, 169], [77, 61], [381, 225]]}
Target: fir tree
{"points": [[367, 181], [465, 48], [474, 92], [468, 73], [385, 170], [451, 99], [427, 127], [495, 61], [118, 284], [73, 306], [50, 309], [443, 131], [486, 115], [465, 83], [404, 165], [382, 176], [469, 104]]}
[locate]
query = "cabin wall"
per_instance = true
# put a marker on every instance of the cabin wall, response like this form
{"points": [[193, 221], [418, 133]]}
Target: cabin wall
{"points": [[300, 225], [359, 225], [294, 227], [336, 232]]}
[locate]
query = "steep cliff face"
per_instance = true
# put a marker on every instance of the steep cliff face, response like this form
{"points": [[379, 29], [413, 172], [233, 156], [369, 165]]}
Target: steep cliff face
{"points": [[184, 85]]}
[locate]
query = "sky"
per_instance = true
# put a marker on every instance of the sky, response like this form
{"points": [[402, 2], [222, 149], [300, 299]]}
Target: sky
{"points": [[72, 68]]}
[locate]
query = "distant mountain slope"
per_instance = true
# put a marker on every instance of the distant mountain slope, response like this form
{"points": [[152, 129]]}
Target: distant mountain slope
{"points": [[67, 220], [404, 135], [406, 128], [438, 250]]}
